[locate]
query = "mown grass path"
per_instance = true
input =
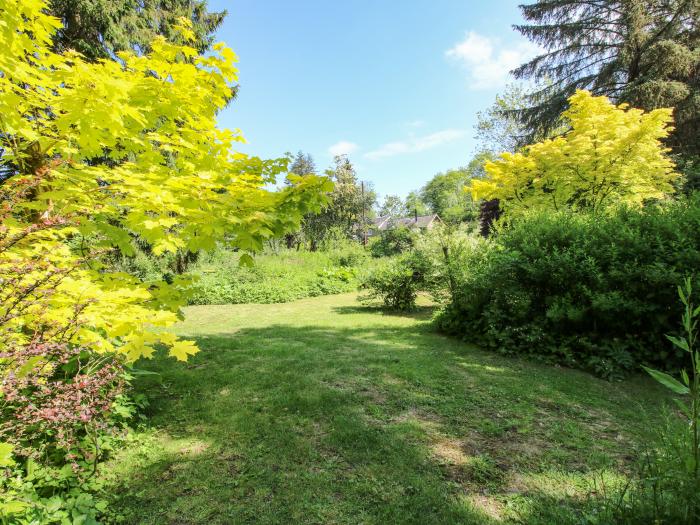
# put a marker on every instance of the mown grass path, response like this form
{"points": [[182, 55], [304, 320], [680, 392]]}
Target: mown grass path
{"points": [[324, 411]]}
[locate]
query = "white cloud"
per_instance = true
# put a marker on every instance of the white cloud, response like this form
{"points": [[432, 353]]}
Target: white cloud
{"points": [[487, 61], [417, 144], [342, 148]]}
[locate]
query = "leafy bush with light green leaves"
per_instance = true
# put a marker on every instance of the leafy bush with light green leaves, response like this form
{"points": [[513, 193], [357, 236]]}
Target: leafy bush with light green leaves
{"points": [[393, 283], [348, 255], [439, 254], [393, 241], [274, 278], [396, 283], [432, 265]]}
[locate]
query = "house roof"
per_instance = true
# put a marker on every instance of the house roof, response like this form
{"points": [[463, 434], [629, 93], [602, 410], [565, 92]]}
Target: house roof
{"points": [[421, 221]]}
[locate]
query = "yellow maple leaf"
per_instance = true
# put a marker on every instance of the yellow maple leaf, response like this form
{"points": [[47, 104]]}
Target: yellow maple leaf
{"points": [[182, 349]]}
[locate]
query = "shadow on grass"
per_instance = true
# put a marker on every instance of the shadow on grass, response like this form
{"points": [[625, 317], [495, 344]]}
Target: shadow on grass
{"points": [[421, 312], [308, 424]]}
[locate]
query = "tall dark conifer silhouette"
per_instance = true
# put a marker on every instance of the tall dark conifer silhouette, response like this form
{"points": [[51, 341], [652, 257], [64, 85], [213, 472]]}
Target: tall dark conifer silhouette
{"points": [[98, 28], [644, 52]]}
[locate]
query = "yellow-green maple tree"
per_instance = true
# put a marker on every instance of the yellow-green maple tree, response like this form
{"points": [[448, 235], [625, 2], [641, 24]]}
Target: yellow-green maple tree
{"points": [[611, 155], [93, 154]]}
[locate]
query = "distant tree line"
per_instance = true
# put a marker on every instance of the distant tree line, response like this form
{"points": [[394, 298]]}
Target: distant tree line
{"points": [[350, 208], [642, 52]]}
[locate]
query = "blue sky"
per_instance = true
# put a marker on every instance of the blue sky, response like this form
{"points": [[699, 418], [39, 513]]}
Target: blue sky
{"points": [[396, 85]]}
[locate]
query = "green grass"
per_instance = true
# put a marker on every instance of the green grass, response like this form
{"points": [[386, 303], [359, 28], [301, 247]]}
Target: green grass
{"points": [[324, 411]]}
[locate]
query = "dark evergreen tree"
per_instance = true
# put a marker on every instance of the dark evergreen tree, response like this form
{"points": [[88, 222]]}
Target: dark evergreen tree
{"points": [[644, 52], [98, 28], [303, 164]]}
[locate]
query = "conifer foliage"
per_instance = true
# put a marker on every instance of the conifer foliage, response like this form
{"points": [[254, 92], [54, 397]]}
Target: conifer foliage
{"points": [[99, 28], [303, 164], [643, 52]]}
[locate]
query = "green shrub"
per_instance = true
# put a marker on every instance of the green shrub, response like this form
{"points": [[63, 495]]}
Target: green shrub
{"points": [[41, 494], [431, 265], [438, 256], [396, 283], [287, 276], [593, 291], [392, 242], [352, 255]]}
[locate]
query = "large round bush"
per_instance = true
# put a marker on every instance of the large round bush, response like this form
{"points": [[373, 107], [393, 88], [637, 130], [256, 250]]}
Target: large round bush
{"points": [[394, 241], [594, 291]]}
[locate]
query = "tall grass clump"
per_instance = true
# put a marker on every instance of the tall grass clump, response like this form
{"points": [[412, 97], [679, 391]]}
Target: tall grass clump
{"points": [[219, 278]]}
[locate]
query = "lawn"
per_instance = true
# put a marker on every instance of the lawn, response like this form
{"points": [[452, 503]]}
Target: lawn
{"points": [[325, 411]]}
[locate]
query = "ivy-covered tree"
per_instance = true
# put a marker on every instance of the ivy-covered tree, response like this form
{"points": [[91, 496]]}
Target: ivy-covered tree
{"points": [[611, 155], [643, 52], [100, 28]]}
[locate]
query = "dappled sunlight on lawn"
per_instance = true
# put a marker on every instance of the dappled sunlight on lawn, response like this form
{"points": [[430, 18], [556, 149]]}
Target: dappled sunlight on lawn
{"points": [[486, 368]]}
